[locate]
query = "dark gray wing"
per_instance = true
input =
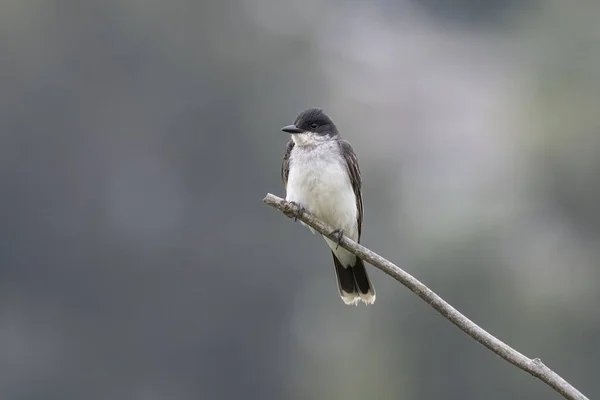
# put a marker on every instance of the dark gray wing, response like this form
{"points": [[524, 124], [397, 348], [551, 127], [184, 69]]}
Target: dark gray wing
{"points": [[355, 180], [285, 165]]}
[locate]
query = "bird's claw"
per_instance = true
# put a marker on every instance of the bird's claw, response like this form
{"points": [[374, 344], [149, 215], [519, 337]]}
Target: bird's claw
{"points": [[339, 234], [290, 214]]}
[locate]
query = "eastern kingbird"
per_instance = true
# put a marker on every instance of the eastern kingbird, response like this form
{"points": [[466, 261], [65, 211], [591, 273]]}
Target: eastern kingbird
{"points": [[320, 174]]}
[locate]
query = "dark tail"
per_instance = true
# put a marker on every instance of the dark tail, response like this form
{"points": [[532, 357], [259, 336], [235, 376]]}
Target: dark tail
{"points": [[353, 282]]}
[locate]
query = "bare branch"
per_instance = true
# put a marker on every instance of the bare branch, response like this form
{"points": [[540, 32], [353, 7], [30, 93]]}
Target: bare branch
{"points": [[533, 366]]}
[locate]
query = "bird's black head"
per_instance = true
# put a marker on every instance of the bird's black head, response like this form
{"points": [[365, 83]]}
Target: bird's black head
{"points": [[312, 120]]}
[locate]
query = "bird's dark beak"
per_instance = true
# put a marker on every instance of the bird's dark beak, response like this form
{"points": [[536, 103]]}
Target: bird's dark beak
{"points": [[292, 129]]}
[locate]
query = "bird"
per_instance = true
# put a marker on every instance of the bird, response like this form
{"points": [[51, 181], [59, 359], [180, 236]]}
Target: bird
{"points": [[321, 175]]}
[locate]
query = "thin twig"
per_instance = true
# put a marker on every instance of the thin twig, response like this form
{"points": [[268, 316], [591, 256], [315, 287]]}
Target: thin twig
{"points": [[533, 366]]}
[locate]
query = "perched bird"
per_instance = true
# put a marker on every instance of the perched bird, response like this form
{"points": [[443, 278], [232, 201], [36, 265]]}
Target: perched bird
{"points": [[321, 175]]}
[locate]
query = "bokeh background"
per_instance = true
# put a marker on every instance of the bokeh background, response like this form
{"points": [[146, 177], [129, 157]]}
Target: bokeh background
{"points": [[138, 138]]}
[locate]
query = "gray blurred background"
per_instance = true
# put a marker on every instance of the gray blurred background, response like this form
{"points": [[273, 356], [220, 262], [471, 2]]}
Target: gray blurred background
{"points": [[138, 138]]}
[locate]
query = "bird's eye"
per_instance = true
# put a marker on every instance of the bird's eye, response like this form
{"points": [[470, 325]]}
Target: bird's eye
{"points": [[314, 126]]}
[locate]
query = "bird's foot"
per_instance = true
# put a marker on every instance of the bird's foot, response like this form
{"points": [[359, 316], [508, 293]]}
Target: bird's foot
{"points": [[290, 214], [339, 234]]}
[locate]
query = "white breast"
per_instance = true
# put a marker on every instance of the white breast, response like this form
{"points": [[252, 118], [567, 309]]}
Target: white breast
{"points": [[318, 180]]}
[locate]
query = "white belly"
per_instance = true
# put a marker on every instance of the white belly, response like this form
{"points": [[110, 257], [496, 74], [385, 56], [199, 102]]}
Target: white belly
{"points": [[322, 186]]}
